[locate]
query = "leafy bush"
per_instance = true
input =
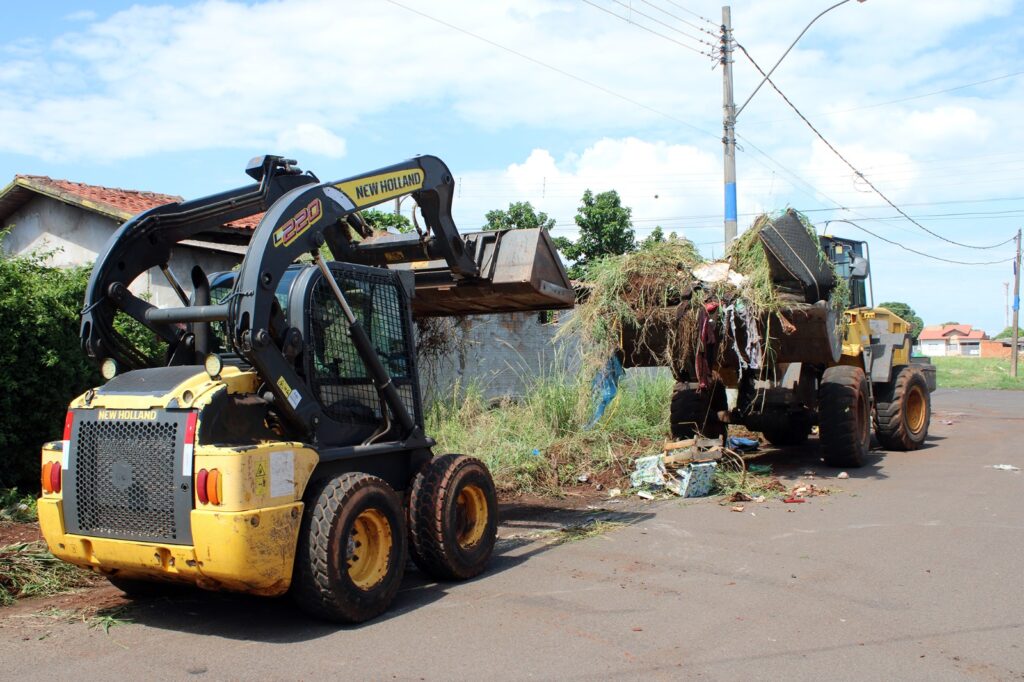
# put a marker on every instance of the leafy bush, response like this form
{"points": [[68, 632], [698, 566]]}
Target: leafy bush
{"points": [[42, 366]]}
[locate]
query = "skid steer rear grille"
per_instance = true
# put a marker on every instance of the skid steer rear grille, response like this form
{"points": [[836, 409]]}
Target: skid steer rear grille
{"points": [[128, 480]]}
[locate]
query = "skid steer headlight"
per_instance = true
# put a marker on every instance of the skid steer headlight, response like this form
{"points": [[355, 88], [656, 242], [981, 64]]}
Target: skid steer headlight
{"points": [[108, 369], [213, 365]]}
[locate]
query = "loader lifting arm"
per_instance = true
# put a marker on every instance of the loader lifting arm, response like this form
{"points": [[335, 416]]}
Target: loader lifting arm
{"points": [[302, 215]]}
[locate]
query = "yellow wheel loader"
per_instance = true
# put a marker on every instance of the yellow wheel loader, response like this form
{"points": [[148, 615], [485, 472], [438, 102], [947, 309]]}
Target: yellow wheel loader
{"points": [[809, 364], [279, 445]]}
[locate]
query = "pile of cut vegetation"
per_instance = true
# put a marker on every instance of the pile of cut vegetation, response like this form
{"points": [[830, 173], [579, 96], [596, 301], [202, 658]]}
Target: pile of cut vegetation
{"points": [[653, 306]]}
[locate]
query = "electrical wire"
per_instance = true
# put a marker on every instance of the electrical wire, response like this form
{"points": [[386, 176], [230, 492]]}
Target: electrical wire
{"points": [[680, 19], [557, 70], [645, 28], [920, 253], [692, 13], [854, 169]]}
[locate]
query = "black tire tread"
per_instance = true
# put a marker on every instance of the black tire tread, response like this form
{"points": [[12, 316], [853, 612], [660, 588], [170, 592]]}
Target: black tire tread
{"points": [[890, 427], [692, 411], [311, 584], [841, 388], [429, 549]]}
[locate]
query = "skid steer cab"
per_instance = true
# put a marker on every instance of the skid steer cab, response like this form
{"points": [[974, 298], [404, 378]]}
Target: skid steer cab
{"points": [[279, 445]]}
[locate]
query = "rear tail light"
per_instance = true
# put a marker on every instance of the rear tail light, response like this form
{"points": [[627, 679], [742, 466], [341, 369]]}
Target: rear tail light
{"points": [[209, 486], [50, 479]]}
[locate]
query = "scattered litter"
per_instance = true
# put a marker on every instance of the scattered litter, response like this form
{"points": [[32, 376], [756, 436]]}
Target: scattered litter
{"points": [[695, 480], [948, 422], [583, 478], [1005, 467], [614, 492], [759, 498], [741, 444], [740, 496], [645, 494], [599, 486], [648, 470], [536, 452], [794, 500], [760, 469], [843, 474], [738, 508], [809, 474]]}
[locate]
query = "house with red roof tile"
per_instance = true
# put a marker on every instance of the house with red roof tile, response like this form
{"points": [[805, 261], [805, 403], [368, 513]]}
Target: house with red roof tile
{"points": [[72, 221], [951, 339]]}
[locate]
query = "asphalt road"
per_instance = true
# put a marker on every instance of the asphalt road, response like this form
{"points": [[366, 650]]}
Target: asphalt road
{"points": [[913, 570]]}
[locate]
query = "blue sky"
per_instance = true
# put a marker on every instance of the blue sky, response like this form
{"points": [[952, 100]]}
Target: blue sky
{"points": [[540, 99]]}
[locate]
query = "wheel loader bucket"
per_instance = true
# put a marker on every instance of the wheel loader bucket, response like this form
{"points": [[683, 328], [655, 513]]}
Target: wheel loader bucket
{"points": [[520, 270]]}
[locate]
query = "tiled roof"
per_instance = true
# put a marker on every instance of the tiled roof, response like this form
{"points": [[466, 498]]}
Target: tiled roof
{"points": [[114, 202], [942, 332]]}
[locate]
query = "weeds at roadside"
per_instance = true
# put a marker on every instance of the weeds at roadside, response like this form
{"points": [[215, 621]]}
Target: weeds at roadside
{"points": [[737, 483], [540, 442], [583, 531], [28, 569], [95, 619], [16, 507]]}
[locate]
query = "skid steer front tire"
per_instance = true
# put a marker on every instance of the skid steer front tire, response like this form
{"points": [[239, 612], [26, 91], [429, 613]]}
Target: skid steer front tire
{"points": [[694, 412], [453, 517], [352, 550], [845, 416], [903, 410]]}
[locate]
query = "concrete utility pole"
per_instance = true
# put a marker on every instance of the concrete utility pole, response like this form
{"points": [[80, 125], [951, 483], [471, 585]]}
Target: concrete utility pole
{"points": [[1016, 309], [731, 112], [728, 127]]}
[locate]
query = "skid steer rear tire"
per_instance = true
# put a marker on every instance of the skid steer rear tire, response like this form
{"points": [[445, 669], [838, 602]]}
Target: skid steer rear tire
{"points": [[845, 419], [903, 410], [694, 411], [453, 517], [352, 550]]}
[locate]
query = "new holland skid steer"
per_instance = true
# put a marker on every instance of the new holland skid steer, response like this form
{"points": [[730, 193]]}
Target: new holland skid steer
{"points": [[280, 446]]}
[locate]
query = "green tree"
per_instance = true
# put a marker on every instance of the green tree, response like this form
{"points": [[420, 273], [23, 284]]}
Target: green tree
{"points": [[946, 324], [657, 236], [520, 215], [908, 314], [383, 220], [606, 229], [1008, 333], [42, 366]]}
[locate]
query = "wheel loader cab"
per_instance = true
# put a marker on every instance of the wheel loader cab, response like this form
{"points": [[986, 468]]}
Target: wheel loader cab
{"points": [[850, 258]]}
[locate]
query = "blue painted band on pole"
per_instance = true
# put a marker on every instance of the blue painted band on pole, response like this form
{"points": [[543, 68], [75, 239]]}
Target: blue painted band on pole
{"points": [[730, 201], [1016, 302]]}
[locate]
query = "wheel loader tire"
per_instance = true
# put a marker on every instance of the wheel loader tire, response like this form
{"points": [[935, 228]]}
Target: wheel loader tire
{"points": [[903, 410], [845, 416], [352, 550], [694, 411], [788, 431], [453, 517]]}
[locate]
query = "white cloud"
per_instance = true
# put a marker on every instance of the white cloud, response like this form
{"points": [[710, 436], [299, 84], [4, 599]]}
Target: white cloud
{"points": [[312, 138]]}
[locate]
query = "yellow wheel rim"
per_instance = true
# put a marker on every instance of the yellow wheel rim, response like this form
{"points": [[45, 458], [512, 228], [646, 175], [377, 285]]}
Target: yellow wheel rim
{"points": [[916, 409], [470, 516], [369, 549]]}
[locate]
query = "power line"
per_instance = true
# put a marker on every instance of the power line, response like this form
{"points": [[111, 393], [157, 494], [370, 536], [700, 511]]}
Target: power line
{"points": [[649, 30], [692, 13], [905, 99], [854, 169], [557, 70], [678, 18], [920, 253]]}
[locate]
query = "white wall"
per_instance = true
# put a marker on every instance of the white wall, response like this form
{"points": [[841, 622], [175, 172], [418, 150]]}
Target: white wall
{"points": [[73, 236], [933, 348]]}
